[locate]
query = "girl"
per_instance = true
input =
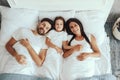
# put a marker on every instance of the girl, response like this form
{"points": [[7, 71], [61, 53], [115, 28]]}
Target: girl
{"points": [[55, 39]]}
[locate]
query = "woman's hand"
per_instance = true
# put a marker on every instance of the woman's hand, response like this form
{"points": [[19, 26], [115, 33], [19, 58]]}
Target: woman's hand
{"points": [[21, 59], [83, 56], [77, 47], [25, 42]]}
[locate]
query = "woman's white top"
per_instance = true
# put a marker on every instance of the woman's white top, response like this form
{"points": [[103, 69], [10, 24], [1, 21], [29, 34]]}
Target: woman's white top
{"points": [[73, 68]]}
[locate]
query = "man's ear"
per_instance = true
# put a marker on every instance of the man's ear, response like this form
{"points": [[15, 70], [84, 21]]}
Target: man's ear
{"points": [[38, 23]]}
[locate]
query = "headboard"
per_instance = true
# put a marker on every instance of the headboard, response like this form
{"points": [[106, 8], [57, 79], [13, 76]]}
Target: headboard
{"points": [[90, 12], [77, 5], [59, 4]]}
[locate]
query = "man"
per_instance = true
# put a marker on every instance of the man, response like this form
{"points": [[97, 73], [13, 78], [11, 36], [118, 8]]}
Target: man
{"points": [[34, 44]]}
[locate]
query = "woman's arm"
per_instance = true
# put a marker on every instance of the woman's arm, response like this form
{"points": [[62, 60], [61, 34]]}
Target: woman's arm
{"points": [[95, 53], [50, 44], [94, 46], [32, 52]]}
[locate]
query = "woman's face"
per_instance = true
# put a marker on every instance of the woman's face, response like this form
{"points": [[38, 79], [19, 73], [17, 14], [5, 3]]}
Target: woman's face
{"points": [[75, 28], [59, 25]]}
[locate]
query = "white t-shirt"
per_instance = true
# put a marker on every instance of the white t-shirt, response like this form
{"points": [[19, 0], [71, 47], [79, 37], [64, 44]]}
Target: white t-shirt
{"points": [[76, 69], [57, 37], [37, 42]]}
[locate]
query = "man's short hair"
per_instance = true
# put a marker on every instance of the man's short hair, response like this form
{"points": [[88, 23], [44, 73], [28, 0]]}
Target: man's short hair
{"points": [[48, 20]]}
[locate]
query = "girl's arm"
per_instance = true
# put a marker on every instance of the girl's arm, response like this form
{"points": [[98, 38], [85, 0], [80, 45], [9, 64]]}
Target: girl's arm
{"points": [[37, 58], [69, 52], [50, 44], [66, 46]]}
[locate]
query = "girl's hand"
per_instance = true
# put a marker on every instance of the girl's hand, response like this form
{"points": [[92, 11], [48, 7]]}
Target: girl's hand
{"points": [[59, 50], [83, 56], [21, 59]]}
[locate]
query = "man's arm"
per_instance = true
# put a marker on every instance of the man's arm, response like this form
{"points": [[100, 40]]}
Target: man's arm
{"points": [[42, 55], [32, 52], [9, 47], [20, 58]]}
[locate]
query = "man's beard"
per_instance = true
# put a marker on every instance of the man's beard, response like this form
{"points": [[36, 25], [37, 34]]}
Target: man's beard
{"points": [[41, 31]]}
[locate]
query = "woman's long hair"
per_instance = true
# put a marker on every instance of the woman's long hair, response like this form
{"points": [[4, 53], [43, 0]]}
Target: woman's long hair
{"points": [[71, 33]]}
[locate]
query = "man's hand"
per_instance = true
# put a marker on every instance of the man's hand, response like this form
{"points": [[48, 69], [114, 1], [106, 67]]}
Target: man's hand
{"points": [[21, 59]]}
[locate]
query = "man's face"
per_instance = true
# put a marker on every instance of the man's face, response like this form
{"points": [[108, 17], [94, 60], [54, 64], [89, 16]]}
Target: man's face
{"points": [[43, 27]]}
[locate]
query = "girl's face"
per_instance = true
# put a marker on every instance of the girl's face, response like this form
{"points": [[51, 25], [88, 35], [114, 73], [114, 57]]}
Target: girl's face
{"points": [[75, 28], [59, 25]]}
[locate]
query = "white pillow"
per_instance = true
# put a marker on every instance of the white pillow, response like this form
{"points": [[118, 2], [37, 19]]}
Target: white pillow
{"points": [[52, 14], [12, 19], [93, 22]]}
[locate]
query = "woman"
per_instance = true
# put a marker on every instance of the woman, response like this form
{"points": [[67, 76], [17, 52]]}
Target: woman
{"points": [[79, 61]]}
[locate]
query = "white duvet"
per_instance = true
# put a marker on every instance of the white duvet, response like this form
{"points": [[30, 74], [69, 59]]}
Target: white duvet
{"points": [[101, 69], [52, 65]]}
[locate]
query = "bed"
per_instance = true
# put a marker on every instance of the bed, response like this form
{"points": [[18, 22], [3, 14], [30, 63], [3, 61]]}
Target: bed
{"points": [[22, 14]]}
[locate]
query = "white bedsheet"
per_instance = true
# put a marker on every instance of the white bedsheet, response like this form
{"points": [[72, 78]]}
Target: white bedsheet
{"points": [[103, 64], [4, 56], [8, 64]]}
